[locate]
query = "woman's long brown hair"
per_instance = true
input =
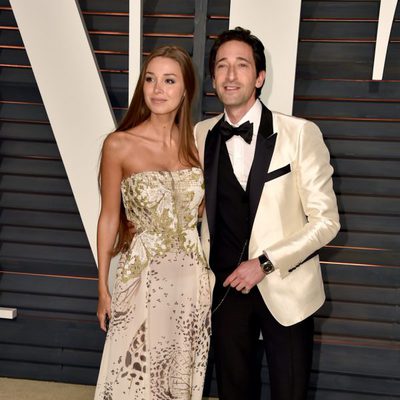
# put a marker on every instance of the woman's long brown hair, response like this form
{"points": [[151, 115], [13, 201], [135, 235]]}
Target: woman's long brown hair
{"points": [[138, 112]]}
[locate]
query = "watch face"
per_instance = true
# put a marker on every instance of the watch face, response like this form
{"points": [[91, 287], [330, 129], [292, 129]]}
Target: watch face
{"points": [[268, 267], [266, 264]]}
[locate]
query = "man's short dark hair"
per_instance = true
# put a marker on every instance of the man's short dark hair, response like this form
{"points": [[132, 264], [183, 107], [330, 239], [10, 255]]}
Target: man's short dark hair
{"points": [[241, 35]]}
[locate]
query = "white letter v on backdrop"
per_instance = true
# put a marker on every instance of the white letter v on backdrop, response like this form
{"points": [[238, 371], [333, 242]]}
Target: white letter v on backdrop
{"points": [[386, 16], [73, 93]]}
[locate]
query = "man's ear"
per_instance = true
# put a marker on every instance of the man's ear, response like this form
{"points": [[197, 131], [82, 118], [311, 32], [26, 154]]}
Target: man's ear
{"points": [[260, 79], [213, 83]]}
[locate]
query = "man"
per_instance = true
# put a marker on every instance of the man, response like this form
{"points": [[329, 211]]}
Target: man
{"points": [[270, 207]]}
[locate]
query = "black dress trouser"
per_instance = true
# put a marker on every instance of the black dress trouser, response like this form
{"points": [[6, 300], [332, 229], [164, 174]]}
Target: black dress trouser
{"points": [[236, 326]]}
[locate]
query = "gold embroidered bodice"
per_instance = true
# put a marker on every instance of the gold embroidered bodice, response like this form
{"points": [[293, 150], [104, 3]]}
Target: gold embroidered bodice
{"points": [[163, 206]]}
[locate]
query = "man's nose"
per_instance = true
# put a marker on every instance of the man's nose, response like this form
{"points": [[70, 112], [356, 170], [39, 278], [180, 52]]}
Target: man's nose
{"points": [[231, 73]]}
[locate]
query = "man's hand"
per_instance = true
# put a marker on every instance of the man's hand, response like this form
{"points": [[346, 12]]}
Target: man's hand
{"points": [[245, 276]]}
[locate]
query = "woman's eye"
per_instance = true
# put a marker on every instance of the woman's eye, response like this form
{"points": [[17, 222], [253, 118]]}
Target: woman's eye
{"points": [[148, 79], [170, 81]]}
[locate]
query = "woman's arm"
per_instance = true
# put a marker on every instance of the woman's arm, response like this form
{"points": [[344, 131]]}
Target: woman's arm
{"points": [[201, 209], [111, 175]]}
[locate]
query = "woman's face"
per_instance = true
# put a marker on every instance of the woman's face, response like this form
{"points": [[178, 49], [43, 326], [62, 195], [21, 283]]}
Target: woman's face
{"points": [[163, 87]]}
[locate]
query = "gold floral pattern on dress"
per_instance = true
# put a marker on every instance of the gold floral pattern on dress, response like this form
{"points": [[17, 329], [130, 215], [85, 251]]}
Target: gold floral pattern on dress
{"points": [[158, 339], [164, 211]]}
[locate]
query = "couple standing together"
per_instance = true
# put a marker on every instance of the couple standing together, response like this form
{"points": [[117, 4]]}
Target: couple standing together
{"points": [[269, 207]]}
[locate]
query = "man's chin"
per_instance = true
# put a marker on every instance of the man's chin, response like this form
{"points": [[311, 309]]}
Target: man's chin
{"points": [[230, 101]]}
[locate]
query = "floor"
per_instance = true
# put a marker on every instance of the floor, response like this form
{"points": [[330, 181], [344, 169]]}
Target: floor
{"points": [[21, 389]]}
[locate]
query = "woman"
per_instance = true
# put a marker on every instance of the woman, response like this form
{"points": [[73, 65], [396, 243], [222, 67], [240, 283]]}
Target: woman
{"points": [[158, 336]]}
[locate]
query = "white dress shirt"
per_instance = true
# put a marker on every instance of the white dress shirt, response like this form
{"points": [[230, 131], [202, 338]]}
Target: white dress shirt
{"points": [[241, 153]]}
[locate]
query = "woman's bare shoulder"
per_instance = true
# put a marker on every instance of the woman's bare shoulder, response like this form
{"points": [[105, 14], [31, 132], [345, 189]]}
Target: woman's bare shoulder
{"points": [[121, 141]]}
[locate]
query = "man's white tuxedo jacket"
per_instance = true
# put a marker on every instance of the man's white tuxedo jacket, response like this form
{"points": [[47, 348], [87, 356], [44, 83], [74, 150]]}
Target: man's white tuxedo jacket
{"points": [[296, 213]]}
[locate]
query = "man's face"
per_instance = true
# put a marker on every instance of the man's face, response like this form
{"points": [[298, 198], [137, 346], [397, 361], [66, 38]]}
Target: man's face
{"points": [[235, 77]]}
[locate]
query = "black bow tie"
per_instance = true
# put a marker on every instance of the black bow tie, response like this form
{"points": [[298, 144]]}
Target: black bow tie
{"points": [[245, 131]]}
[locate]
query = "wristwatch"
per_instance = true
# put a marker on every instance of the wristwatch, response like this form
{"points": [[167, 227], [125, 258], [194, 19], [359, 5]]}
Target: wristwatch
{"points": [[266, 264]]}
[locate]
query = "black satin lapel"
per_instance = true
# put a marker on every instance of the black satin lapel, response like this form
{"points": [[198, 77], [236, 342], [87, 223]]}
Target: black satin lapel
{"points": [[266, 140], [211, 160]]}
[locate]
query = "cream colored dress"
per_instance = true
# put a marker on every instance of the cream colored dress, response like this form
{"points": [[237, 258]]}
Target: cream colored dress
{"points": [[158, 339]]}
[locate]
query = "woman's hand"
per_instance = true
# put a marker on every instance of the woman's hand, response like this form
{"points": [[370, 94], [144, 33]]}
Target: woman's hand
{"points": [[104, 309], [201, 209], [132, 229]]}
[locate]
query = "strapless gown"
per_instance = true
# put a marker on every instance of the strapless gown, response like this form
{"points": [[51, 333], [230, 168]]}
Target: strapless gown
{"points": [[158, 339]]}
